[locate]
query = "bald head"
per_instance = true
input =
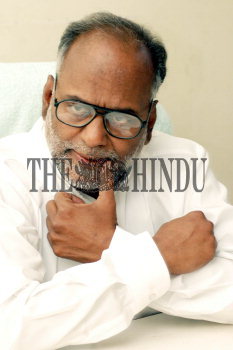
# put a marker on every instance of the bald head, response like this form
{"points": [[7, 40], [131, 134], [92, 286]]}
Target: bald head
{"points": [[128, 32], [105, 64]]}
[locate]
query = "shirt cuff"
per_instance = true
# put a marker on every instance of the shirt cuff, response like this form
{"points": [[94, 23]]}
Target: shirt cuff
{"points": [[138, 262]]}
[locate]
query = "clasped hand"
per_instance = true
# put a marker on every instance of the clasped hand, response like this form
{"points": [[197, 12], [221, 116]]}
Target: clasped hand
{"points": [[81, 232]]}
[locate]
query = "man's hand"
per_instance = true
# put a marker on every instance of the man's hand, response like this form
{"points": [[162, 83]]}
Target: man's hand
{"points": [[186, 243], [80, 231]]}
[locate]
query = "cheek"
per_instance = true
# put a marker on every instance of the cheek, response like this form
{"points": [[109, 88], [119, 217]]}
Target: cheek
{"points": [[65, 132]]}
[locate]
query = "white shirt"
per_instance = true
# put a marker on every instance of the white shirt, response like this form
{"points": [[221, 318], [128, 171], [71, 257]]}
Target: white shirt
{"points": [[47, 302]]}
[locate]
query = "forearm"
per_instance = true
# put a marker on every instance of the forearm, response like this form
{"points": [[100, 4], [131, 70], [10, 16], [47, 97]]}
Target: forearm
{"points": [[89, 302], [205, 294]]}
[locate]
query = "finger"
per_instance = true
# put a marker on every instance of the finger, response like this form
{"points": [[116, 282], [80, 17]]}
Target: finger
{"points": [[65, 199], [77, 200], [51, 208], [210, 226], [49, 224], [49, 239], [215, 243], [196, 214]]}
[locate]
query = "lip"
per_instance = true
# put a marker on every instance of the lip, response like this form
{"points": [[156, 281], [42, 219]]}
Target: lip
{"points": [[86, 159], [81, 157]]}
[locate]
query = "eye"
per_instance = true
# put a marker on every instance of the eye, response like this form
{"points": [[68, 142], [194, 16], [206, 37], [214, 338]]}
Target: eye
{"points": [[80, 110], [122, 124], [75, 113], [123, 120]]}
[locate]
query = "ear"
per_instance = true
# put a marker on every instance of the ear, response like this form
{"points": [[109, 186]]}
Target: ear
{"points": [[151, 121], [47, 94]]}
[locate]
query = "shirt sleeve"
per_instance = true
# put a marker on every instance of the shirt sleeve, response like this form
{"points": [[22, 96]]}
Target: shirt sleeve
{"points": [[83, 304], [206, 293]]}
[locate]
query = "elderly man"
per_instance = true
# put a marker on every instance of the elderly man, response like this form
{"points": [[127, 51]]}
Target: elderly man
{"points": [[78, 264]]}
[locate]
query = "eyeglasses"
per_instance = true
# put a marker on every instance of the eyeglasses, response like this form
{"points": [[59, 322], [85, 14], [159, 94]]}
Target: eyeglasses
{"points": [[122, 125]]}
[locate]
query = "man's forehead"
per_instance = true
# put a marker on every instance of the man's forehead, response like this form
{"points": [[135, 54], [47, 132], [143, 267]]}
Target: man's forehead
{"points": [[109, 50]]}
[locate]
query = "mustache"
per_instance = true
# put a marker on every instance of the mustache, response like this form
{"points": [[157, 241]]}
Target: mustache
{"points": [[96, 156], [97, 153]]}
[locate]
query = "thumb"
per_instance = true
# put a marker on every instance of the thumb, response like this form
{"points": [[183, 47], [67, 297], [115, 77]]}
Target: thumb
{"points": [[106, 199], [107, 205], [62, 197]]}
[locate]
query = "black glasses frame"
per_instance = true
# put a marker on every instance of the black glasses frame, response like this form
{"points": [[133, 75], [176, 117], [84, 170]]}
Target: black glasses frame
{"points": [[103, 111]]}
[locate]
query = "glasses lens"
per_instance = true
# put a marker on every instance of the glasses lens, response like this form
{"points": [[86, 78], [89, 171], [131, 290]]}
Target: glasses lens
{"points": [[122, 124], [75, 113]]}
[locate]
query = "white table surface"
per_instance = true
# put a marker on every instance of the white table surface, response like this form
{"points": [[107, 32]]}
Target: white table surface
{"points": [[163, 332]]}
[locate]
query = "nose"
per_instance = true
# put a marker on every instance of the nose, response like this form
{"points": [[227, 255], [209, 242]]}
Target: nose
{"points": [[94, 134]]}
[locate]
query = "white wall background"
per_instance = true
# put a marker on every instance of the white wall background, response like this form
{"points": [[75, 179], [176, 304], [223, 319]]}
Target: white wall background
{"points": [[198, 34]]}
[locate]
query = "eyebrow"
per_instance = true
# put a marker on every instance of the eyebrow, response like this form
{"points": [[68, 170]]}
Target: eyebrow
{"points": [[123, 110]]}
